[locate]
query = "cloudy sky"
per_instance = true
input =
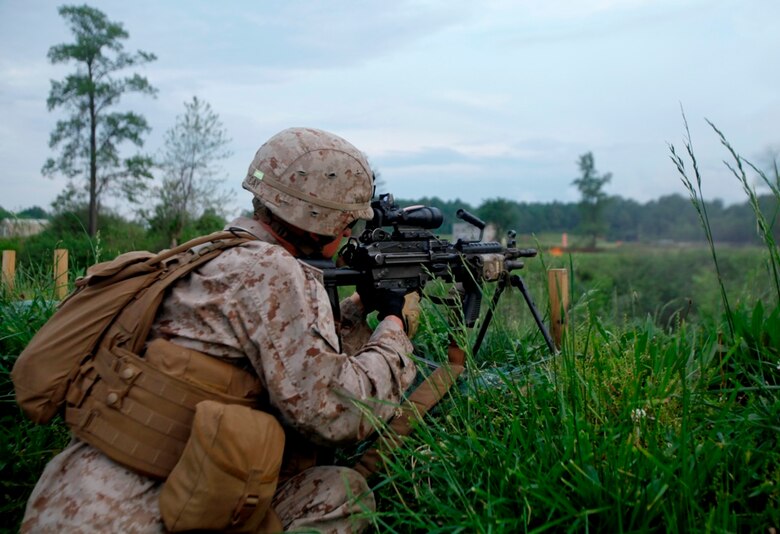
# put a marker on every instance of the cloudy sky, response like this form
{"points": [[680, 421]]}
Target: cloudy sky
{"points": [[454, 98]]}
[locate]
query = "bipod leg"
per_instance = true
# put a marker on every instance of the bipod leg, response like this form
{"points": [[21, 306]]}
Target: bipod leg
{"points": [[518, 282], [489, 315]]}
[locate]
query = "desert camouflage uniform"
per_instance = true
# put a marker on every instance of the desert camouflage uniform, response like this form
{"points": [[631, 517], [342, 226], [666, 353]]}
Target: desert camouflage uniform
{"points": [[258, 306]]}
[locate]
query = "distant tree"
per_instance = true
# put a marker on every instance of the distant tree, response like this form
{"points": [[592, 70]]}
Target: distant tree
{"points": [[501, 212], [670, 217], [5, 214], [194, 146], [622, 217], [209, 221], [34, 212], [592, 197], [90, 137]]}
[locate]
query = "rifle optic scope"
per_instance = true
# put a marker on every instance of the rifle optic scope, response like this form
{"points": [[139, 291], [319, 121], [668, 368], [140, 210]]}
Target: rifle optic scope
{"points": [[386, 213]]}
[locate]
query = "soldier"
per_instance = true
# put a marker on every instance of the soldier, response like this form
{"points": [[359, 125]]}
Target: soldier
{"points": [[261, 309]]}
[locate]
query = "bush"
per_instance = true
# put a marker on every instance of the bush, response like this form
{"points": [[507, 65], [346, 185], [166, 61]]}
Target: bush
{"points": [[68, 231]]}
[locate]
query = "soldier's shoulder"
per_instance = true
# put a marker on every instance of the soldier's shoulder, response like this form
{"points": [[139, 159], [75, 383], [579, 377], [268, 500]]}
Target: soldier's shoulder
{"points": [[259, 256]]}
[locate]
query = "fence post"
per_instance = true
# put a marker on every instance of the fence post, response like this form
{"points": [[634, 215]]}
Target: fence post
{"points": [[60, 272], [558, 285], [9, 269]]}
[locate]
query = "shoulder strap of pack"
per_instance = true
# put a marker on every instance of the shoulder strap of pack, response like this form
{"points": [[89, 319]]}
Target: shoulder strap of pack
{"points": [[220, 236], [133, 323]]}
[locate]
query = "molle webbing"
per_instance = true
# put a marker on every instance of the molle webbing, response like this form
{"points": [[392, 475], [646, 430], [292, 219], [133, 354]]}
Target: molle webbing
{"points": [[141, 416], [126, 405]]}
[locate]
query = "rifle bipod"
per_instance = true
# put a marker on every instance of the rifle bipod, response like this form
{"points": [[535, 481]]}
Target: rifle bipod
{"points": [[516, 281]]}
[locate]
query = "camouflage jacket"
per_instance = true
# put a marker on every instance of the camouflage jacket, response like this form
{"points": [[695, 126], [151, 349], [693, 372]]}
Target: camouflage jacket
{"points": [[259, 305]]}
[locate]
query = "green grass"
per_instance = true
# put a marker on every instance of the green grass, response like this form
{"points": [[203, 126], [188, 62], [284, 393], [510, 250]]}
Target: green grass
{"points": [[24, 447], [638, 425], [626, 430]]}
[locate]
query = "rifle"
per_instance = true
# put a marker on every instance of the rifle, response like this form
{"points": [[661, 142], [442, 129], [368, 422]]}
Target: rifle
{"points": [[398, 251]]}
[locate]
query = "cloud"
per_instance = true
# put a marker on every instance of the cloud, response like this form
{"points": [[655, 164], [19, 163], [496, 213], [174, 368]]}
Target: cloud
{"points": [[455, 98], [478, 100], [531, 170], [302, 36]]}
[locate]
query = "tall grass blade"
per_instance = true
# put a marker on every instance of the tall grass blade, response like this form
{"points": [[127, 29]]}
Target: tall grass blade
{"points": [[697, 199]]}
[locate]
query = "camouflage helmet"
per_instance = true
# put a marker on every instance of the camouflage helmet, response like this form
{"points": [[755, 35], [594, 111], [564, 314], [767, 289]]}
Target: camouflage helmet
{"points": [[312, 179]]}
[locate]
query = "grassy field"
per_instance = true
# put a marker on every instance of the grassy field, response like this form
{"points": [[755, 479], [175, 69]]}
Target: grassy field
{"points": [[632, 427], [661, 413], [652, 417]]}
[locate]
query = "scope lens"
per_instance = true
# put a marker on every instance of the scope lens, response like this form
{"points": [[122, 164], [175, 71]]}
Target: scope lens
{"points": [[424, 217]]}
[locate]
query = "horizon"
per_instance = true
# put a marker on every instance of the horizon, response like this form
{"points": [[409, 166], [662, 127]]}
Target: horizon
{"points": [[131, 216]]}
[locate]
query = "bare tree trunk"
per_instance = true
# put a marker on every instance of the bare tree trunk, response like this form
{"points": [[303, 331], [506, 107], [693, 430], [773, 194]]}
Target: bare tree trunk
{"points": [[93, 209]]}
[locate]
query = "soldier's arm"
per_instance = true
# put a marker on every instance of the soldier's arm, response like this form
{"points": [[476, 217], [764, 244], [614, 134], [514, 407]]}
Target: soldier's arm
{"points": [[353, 329], [321, 391]]}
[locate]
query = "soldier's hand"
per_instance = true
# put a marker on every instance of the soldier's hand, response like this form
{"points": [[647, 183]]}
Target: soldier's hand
{"points": [[367, 295], [384, 301], [411, 313]]}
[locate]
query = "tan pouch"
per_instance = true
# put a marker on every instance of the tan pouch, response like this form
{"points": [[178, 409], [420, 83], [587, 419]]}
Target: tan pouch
{"points": [[227, 474], [202, 370]]}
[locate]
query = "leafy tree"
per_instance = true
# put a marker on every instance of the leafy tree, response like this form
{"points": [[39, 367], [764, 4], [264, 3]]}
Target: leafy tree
{"points": [[210, 221], [501, 212], [5, 214], [193, 149], [91, 136], [593, 198], [34, 212], [622, 219]]}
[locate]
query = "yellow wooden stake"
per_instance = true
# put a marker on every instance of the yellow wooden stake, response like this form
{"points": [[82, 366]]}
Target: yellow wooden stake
{"points": [[558, 284], [9, 269], [60, 272]]}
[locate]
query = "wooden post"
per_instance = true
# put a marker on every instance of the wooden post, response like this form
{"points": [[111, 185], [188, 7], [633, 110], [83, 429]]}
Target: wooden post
{"points": [[9, 269], [558, 284], [60, 273]]}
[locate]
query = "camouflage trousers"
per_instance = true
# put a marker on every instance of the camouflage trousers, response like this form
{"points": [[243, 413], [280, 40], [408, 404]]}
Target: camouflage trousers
{"points": [[82, 491]]}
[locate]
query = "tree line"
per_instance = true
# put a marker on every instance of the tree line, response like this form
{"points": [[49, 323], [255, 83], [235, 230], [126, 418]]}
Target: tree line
{"points": [[670, 218]]}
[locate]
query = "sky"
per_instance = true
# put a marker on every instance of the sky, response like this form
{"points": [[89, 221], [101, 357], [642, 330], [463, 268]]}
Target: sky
{"points": [[450, 98]]}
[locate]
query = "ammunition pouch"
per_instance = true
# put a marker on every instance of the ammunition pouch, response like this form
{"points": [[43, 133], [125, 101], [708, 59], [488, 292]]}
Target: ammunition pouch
{"points": [[139, 411], [227, 474]]}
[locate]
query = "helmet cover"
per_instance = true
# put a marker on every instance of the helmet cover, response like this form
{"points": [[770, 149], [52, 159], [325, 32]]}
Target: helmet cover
{"points": [[312, 179]]}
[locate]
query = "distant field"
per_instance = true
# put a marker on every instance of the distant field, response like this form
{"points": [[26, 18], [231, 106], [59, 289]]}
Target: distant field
{"points": [[652, 418]]}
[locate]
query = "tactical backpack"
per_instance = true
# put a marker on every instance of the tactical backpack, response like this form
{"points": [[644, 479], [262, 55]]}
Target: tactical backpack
{"points": [[121, 295]]}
